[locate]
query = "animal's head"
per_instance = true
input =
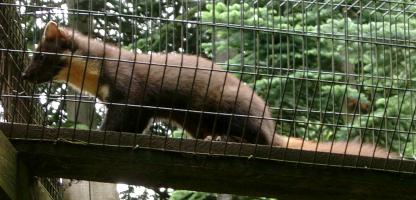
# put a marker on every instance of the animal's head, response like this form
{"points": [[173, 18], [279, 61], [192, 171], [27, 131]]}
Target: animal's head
{"points": [[46, 61]]}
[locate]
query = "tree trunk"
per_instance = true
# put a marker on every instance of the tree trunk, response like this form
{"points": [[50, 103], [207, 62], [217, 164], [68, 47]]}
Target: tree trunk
{"points": [[224, 197], [89, 190]]}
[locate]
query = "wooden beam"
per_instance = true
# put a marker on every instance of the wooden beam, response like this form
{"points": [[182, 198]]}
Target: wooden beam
{"points": [[131, 140], [203, 166]]}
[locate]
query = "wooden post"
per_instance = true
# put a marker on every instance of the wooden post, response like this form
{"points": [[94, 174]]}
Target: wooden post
{"points": [[8, 169], [16, 183]]}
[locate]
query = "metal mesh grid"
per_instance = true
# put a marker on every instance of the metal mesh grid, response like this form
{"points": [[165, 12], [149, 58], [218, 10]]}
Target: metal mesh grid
{"points": [[12, 65], [15, 109], [329, 70]]}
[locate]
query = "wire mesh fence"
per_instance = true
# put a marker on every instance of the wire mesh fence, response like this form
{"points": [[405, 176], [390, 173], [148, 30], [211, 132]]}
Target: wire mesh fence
{"points": [[318, 76]]}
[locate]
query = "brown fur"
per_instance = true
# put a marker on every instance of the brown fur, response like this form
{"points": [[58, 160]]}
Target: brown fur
{"points": [[351, 148], [178, 81], [82, 75]]}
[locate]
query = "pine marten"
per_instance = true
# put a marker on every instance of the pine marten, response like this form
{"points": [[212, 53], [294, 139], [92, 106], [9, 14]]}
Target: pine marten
{"points": [[194, 92]]}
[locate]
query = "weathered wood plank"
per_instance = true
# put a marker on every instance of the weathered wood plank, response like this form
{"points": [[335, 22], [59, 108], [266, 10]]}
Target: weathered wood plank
{"points": [[8, 169], [121, 139], [210, 173], [202, 165]]}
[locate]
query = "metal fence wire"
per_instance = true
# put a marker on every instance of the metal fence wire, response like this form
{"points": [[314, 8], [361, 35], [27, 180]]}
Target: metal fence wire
{"points": [[243, 78]]}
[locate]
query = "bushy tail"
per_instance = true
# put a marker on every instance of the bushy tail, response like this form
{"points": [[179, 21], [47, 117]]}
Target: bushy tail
{"points": [[341, 147], [351, 148]]}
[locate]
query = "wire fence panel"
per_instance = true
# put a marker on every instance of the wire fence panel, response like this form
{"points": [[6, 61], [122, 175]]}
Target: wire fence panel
{"points": [[243, 78], [14, 108]]}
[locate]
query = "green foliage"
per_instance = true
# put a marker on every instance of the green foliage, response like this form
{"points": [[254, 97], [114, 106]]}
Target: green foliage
{"points": [[309, 98], [312, 38], [142, 193], [328, 71], [159, 35], [189, 195]]}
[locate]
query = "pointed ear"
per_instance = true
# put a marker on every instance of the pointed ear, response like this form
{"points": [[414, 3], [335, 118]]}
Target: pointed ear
{"points": [[51, 31]]}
